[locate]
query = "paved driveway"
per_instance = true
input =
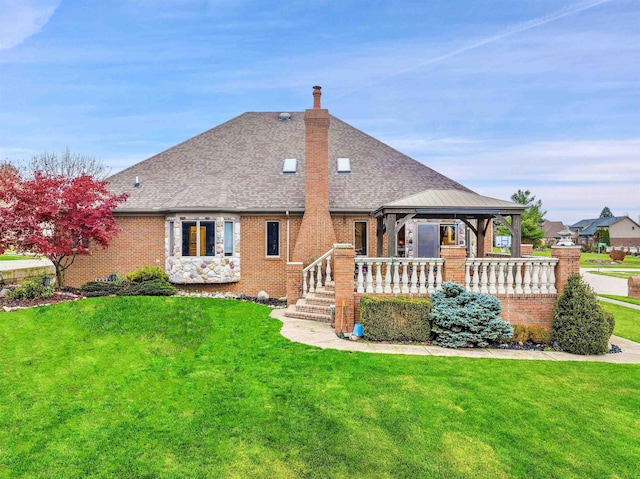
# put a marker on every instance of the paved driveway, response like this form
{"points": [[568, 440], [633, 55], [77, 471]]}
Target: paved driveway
{"points": [[606, 284]]}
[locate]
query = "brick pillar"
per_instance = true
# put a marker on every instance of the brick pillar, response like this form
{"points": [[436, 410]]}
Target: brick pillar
{"points": [[526, 250], [454, 260], [343, 268], [316, 235], [294, 282], [633, 285], [569, 263]]}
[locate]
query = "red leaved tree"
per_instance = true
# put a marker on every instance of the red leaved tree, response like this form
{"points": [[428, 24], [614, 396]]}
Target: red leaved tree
{"points": [[56, 216]]}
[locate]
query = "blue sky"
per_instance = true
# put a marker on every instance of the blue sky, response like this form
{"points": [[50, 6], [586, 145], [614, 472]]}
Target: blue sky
{"points": [[499, 95]]}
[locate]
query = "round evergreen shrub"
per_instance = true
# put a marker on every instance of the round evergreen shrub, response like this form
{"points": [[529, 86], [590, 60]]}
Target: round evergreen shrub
{"points": [[580, 324], [464, 319], [147, 273]]}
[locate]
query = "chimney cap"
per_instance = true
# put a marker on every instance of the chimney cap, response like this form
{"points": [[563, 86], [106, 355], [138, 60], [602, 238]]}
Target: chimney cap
{"points": [[317, 87]]}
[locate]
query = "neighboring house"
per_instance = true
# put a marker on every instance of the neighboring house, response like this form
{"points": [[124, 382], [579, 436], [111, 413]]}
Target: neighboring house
{"points": [[551, 231], [623, 231]]}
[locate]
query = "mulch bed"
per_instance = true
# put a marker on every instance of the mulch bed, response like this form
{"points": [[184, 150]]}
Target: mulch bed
{"points": [[58, 297]]}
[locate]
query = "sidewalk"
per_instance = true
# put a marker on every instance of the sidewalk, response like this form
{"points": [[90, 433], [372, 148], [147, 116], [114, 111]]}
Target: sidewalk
{"points": [[323, 336]]}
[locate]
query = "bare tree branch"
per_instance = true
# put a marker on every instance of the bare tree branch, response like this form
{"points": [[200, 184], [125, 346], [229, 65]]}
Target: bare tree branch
{"points": [[68, 164]]}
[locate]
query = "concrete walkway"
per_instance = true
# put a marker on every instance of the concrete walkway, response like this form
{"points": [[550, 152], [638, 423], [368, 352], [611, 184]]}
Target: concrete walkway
{"points": [[323, 336], [607, 284]]}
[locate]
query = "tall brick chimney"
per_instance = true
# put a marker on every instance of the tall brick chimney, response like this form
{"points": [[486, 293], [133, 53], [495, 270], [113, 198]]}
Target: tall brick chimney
{"points": [[316, 234]]}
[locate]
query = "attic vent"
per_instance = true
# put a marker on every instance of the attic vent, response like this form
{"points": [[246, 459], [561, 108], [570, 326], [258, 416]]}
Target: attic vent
{"points": [[284, 116], [290, 165], [344, 165]]}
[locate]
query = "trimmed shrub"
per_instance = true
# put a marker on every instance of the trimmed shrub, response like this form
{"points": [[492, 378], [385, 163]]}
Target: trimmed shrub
{"points": [[617, 255], [147, 273], [536, 334], [155, 287], [580, 324], [395, 319], [32, 289], [94, 289], [463, 319]]}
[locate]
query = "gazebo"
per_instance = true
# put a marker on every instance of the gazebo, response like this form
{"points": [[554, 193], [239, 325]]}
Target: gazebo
{"points": [[474, 210]]}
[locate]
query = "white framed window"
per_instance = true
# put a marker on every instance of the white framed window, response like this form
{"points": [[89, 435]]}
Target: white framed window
{"points": [[272, 239], [228, 238], [198, 238]]}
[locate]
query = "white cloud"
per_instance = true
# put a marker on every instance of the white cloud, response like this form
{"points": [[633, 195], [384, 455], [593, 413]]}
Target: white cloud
{"points": [[22, 19]]}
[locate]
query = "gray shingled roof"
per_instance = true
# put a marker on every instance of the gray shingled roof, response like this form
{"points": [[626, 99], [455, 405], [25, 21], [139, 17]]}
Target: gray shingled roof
{"points": [[238, 165], [596, 223]]}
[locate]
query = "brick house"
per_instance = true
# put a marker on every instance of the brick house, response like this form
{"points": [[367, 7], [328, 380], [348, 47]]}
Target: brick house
{"points": [[623, 231], [259, 202]]}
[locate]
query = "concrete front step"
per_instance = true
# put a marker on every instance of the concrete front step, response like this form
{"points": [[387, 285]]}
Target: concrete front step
{"points": [[320, 301], [304, 306], [292, 312]]}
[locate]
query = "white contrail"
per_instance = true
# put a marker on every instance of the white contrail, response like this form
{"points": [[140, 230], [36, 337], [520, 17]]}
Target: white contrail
{"points": [[565, 12], [521, 27]]}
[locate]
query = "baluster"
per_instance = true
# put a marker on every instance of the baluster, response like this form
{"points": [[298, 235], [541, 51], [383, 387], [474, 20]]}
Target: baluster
{"points": [[319, 274], [304, 284], [312, 288], [439, 267], [527, 278], [535, 278], [369, 277], [423, 277], [552, 278], [405, 276], [467, 276], [518, 265], [360, 278], [501, 289], [544, 268], [379, 288], [510, 265], [414, 277], [430, 279], [492, 278], [387, 276], [476, 276], [484, 279], [328, 279], [396, 278]]}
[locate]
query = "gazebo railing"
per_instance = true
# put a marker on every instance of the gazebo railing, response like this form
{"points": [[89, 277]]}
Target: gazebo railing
{"points": [[511, 275], [398, 275]]}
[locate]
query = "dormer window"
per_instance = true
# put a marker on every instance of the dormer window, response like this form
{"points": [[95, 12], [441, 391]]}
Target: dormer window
{"points": [[290, 165], [343, 165]]}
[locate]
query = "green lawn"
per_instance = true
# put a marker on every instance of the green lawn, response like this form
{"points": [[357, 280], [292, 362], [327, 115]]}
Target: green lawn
{"points": [[627, 321], [195, 387], [590, 260], [617, 274], [9, 257]]}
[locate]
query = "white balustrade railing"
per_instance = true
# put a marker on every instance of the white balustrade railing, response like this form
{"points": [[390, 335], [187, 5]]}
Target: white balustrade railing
{"points": [[533, 275], [317, 274], [398, 275]]}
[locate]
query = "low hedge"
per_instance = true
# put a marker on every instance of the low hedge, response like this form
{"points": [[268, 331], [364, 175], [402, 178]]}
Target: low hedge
{"points": [[395, 319], [156, 287]]}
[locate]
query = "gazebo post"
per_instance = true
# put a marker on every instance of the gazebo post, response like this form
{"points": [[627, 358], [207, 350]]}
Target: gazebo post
{"points": [[391, 236], [379, 236], [481, 232], [516, 239]]}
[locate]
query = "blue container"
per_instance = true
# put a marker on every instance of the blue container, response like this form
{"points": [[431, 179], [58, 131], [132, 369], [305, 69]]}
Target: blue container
{"points": [[357, 330]]}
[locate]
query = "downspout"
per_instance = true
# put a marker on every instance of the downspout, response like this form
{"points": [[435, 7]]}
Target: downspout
{"points": [[288, 245]]}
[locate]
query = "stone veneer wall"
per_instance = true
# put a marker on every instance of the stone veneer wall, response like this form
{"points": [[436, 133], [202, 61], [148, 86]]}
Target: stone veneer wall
{"points": [[202, 269]]}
